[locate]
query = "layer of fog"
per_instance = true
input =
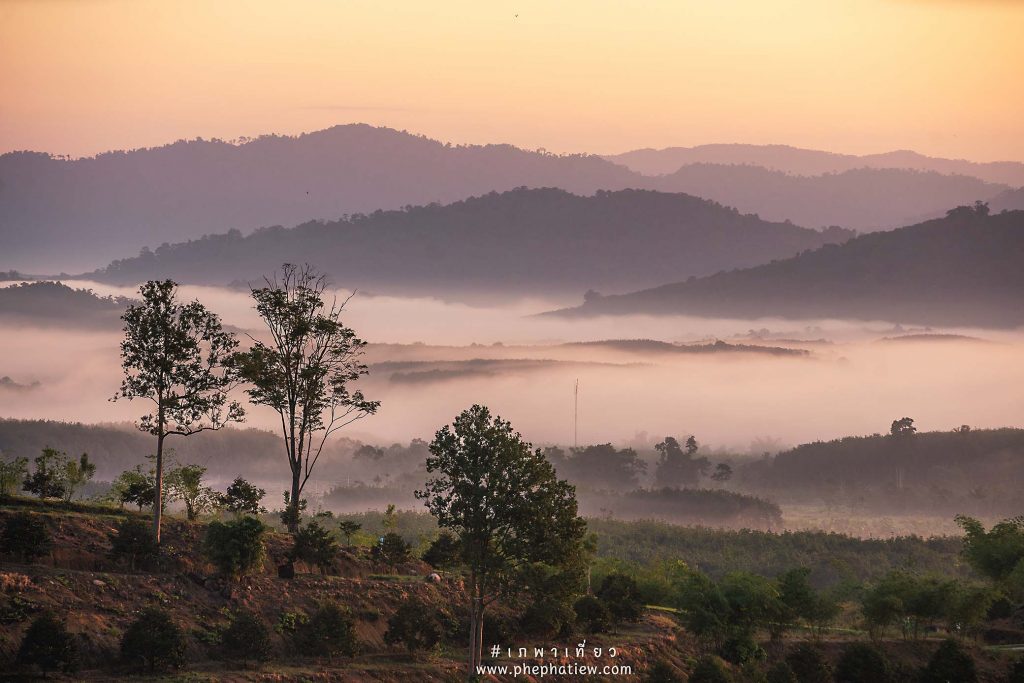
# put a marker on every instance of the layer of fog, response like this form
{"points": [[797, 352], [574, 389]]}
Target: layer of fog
{"points": [[854, 385]]}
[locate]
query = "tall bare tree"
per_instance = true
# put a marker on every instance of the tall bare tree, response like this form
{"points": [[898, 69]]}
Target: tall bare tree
{"points": [[304, 371], [178, 356]]}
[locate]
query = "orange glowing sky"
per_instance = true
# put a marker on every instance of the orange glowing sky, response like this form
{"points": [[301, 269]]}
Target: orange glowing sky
{"points": [[943, 77]]}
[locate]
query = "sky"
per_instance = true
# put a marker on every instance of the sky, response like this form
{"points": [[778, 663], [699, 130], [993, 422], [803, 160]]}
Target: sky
{"points": [[941, 77]]}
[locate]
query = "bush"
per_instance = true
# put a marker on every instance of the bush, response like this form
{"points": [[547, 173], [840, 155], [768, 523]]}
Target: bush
{"points": [[592, 615], [862, 663], [247, 637], [951, 662], [740, 649], [314, 545], [49, 646], [133, 539], [710, 670], [809, 665], [414, 625], [154, 642], [236, 547], [662, 672], [1016, 673], [241, 497], [445, 552], [26, 536], [547, 618], [392, 549], [619, 594], [329, 631], [781, 672]]}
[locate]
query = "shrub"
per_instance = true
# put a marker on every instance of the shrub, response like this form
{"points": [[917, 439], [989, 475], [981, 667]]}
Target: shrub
{"points": [[392, 549], [48, 645], [314, 545], [662, 672], [445, 552], [951, 662], [48, 480], [235, 547], [781, 672], [12, 474], [1016, 673], [710, 670], [26, 536], [862, 663], [154, 642], [620, 595], [414, 625], [241, 497], [809, 665], [247, 637], [328, 631], [133, 539], [592, 615], [547, 618], [741, 648]]}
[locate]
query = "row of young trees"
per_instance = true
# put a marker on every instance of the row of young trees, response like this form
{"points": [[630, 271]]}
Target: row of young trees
{"points": [[179, 357]]}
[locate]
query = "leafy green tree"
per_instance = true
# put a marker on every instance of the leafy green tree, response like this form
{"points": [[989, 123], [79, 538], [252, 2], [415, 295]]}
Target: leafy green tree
{"points": [[722, 473], [247, 637], [415, 625], [132, 486], [903, 427], [951, 662], [710, 670], [314, 545], [48, 646], [392, 549], [809, 665], [185, 483], [504, 503], [676, 467], [132, 540], [619, 594], [862, 663], [12, 474], [48, 478], [154, 642], [237, 546], [329, 631], [26, 536], [305, 372], [592, 615], [76, 474], [178, 357], [348, 528], [996, 553], [241, 497], [444, 552]]}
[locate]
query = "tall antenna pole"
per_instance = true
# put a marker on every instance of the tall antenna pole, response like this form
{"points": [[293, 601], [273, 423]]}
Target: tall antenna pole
{"points": [[576, 414]]}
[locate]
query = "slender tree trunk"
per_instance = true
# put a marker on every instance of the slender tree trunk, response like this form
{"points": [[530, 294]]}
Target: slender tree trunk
{"points": [[158, 493], [293, 520], [474, 645]]}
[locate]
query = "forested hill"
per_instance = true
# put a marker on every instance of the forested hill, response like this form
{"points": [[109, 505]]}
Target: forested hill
{"points": [[522, 241], [55, 303], [964, 269], [75, 214]]}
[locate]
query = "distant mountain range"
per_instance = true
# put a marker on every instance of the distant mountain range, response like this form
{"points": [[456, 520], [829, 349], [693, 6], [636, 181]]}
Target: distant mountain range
{"points": [[961, 270], [811, 162], [75, 214], [519, 242]]}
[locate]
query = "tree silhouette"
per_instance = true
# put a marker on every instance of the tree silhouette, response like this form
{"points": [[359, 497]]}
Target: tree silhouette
{"points": [[178, 357], [304, 372]]}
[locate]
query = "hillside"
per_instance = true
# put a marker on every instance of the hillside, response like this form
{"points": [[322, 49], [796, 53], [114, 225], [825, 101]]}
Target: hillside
{"points": [[67, 214], [521, 241], [811, 161], [861, 199], [961, 270], [54, 303]]}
